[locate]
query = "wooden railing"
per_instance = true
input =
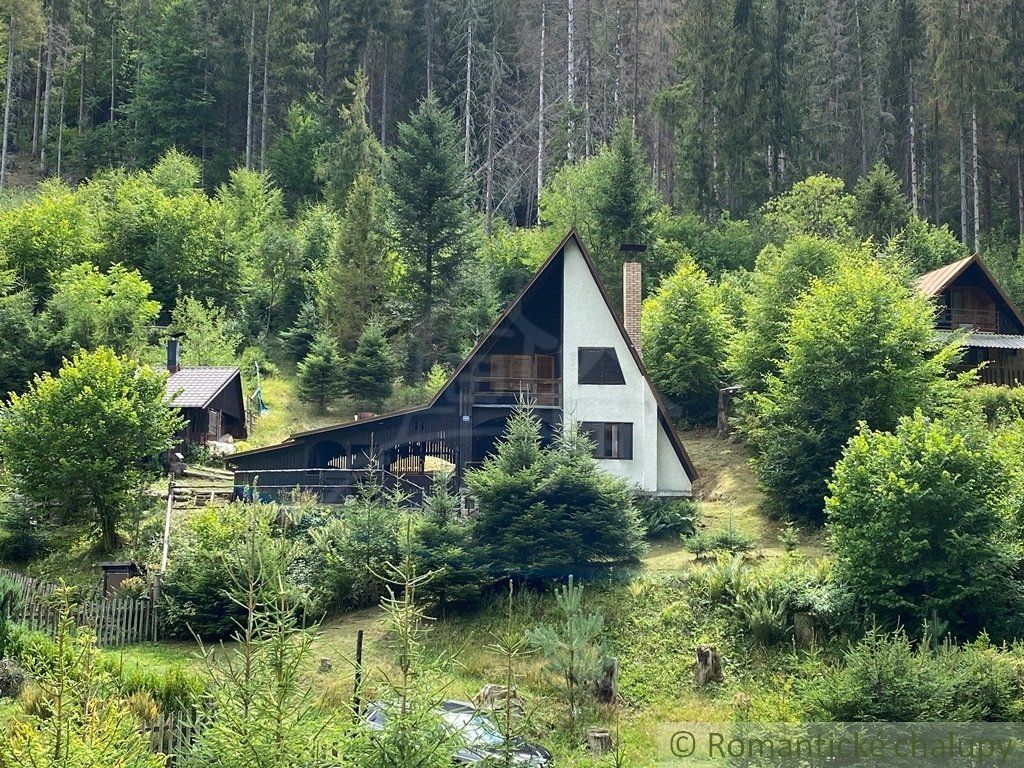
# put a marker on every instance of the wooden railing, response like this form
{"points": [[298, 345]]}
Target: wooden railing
{"points": [[984, 320], [495, 390]]}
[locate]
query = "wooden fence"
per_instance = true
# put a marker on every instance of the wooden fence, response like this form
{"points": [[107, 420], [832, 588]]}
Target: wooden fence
{"points": [[172, 734], [116, 621]]}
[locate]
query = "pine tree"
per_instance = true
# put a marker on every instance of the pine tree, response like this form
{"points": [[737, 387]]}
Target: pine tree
{"points": [[354, 151], [432, 214], [320, 379], [368, 374], [881, 210]]}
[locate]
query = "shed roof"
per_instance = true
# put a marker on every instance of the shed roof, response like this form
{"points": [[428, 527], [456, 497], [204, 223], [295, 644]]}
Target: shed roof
{"points": [[990, 340], [935, 282], [197, 387]]}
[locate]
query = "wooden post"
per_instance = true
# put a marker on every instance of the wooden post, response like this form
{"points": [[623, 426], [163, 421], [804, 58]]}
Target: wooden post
{"points": [[359, 673], [167, 524]]}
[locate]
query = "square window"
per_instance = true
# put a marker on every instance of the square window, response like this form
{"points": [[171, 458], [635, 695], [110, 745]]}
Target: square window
{"points": [[599, 365]]}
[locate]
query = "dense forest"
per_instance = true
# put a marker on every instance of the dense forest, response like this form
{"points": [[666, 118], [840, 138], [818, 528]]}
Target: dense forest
{"points": [[733, 99]]}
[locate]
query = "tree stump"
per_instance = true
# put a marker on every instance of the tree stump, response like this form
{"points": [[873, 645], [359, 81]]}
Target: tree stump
{"points": [[708, 668], [803, 629], [496, 697], [325, 666], [599, 740], [607, 686]]}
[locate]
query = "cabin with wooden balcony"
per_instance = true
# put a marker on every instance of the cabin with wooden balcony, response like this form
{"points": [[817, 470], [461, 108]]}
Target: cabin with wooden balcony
{"points": [[558, 346], [970, 299]]}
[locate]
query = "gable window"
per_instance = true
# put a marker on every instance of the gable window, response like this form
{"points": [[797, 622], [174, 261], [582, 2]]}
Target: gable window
{"points": [[612, 440], [599, 365]]}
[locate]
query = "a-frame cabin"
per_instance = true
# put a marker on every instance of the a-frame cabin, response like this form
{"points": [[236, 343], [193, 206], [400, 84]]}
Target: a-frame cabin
{"points": [[559, 345]]}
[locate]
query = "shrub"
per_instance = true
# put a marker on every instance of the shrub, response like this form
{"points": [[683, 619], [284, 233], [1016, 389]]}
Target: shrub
{"points": [[196, 589], [551, 511], [727, 539], [10, 604], [998, 404], [883, 677], [668, 517], [918, 527], [12, 678]]}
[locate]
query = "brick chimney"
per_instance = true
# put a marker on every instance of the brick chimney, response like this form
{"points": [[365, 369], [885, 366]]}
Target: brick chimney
{"points": [[632, 290], [174, 354]]}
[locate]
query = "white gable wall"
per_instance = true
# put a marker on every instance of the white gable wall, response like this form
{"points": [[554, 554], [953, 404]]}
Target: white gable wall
{"points": [[587, 322]]}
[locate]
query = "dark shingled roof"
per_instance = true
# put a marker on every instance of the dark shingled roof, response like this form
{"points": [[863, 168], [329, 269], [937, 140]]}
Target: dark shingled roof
{"points": [[197, 387]]}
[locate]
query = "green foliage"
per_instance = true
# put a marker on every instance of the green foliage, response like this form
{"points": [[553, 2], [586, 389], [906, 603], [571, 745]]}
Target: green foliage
{"points": [[728, 538], [207, 546], [299, 338], [685, 333], [997, 404], [916, 519], [887, 678], [624, 207], [355, 150], [22, 335], [208, 336], [262, 708], [572, 648], [720, 247], [442, 545], [880, 209], [550, 511], [349, 553], [320, 373], [781, 277], [10, 603], [817, 206], [77, 720], [47, 234], [90, 309], [922, 246], [83, 443], [860, 347], [369, 373], [665, 517], [358, 274], [292, 157], [432, 218]]}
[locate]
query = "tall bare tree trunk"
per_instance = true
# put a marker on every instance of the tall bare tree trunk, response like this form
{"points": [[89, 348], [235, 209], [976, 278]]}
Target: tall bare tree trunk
{"points": [[63, 100], [428, 13], [8, 89], [913, 145], [266, 90], [617, 52], [249, 91], [976, 207], [468, 99], [491, 120], [964, 238], [384, 98], [588, 56], [113, 73], [936, 163], [44, 133], [540, 106], [81, 90], [861, 97], [570, 78], [1020, 196], [37, 99]]}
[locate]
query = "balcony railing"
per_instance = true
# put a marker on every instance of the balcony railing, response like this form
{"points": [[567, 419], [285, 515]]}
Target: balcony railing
{"points": [[494, 390], [984, 320]]}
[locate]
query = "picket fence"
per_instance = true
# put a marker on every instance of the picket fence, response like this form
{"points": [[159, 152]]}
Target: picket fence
{"points": [[116, 621], [172, 734]]}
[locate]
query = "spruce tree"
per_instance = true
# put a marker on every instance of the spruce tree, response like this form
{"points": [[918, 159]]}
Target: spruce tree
{"points": [[320, 373], [432, 204], [368, 374], [625, 206], [880, 208], [359, 268]]}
